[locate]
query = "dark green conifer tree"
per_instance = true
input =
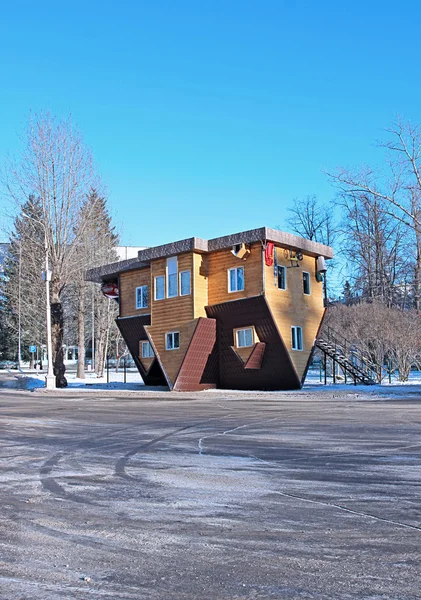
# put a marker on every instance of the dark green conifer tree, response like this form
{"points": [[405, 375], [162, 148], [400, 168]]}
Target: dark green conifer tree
{"points": [[22, 292]]}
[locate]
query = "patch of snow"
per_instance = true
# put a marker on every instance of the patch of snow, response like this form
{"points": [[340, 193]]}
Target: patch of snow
{"points": [[134, 382], [314, 378]]}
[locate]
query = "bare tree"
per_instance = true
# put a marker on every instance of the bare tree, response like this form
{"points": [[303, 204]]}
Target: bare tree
{"points": [[105, 314], [101, 240], [405, 341], [56, 167], [313, 220], [373, 246], [120, 349], [397, 186], [365, 326], [384, 334]]}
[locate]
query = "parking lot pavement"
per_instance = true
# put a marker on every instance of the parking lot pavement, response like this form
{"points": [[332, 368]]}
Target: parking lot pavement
{"points": [[311, 494]]}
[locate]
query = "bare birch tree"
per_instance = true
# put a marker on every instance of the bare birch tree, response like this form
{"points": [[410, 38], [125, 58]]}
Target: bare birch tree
{"points": [[56, 167], [96, 246]]}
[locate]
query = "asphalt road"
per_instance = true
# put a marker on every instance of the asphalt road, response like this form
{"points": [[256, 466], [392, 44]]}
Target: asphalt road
{"points": [[312, 495]]}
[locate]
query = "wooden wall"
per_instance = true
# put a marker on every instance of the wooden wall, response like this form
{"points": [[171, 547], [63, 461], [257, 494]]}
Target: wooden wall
{"points": [[172, 314], [219, 262], [129, 281], [200, 281], [167, 312], [244, 353], [146, 362], [293, 307], [172, 359], [209, 285]]}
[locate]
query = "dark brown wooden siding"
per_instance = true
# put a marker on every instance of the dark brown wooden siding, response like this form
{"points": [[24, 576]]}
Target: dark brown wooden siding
{"points": [[276, 371], [133, 330]]}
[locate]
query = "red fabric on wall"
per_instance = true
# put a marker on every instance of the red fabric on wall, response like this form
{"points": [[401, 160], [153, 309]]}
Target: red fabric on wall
{"points": [[269, 253]]}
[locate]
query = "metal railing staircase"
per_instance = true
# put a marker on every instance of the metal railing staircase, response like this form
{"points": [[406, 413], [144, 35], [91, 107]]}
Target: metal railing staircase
{"points": [[351, 359]]}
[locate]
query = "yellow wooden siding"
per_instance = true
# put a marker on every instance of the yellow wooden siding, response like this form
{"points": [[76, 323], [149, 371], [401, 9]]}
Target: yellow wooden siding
{"points": [[244, 353], [146, 362], [171, 311], [172, 359], [293, 307], [172, 314], [200, 284], [219, 262], [129, 281]]}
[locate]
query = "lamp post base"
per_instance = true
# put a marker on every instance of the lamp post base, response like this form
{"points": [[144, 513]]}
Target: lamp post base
{"points": [[50, 382]]}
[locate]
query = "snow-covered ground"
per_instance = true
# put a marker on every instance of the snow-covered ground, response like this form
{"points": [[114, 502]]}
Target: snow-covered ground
{"points": [[132, 382], [314, 378]]}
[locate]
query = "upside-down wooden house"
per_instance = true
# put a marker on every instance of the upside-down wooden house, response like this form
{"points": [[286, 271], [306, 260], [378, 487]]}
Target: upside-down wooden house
{"points": [[235, 312]]}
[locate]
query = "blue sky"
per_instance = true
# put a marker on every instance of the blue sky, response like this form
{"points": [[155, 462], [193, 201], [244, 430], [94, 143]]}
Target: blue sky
{"points": [[209, 117]]}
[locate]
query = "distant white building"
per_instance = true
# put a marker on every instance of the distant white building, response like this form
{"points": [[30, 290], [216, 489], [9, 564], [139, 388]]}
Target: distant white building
{"points": [[125, 252]]}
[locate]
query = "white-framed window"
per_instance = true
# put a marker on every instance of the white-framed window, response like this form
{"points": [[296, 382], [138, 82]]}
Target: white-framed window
{"points": [[160, 287], [236, 279], [282, 277], [185, 286], [147, 351], [172, 340], [306, 283], [244, 337], [297, 337], [142, 296], [172, 277]]}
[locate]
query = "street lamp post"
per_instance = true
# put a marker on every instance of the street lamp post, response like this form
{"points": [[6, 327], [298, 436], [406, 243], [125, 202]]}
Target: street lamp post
{"points": [[50, 380]]}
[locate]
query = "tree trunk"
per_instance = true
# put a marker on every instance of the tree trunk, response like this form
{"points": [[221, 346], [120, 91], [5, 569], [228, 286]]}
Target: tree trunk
{"points": [[81, 331], [102, 331], [417, 271], [100, 355], [57, 324]]}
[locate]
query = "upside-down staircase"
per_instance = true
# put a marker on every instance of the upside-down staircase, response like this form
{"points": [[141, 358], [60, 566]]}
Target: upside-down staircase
{"points": [[351, 359]]}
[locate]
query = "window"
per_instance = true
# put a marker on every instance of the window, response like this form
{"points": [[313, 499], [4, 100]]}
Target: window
{"points": [[297, 337], [147, 351], [142, 297], [184, 283], [306, 282], [160, 287], [172, 340], [236, 279], [172, 277], [244, 337], [282, 278]]}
